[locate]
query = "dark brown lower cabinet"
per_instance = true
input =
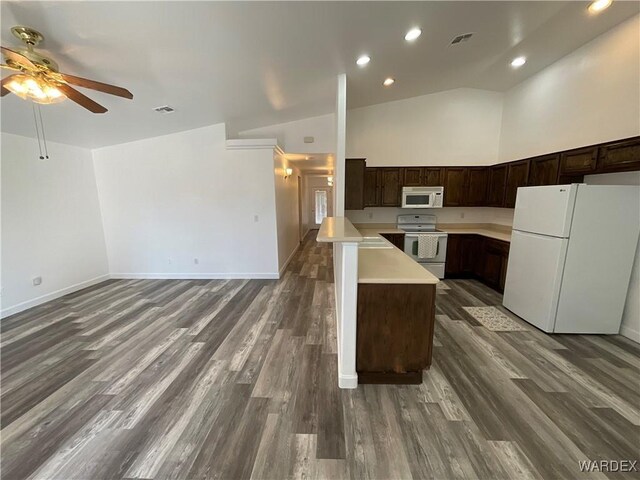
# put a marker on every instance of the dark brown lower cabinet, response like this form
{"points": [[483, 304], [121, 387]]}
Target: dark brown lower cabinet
{"points": [[394, 333], [475, 256], [396, 238]]}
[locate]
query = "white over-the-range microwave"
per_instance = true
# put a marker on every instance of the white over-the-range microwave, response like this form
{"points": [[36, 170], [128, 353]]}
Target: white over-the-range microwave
{"points": [[422, 197]]}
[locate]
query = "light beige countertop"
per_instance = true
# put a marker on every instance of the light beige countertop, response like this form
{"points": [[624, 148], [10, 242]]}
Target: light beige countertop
{"points": [[490, 230], [338, 229], [389, 265], [377, 228]]}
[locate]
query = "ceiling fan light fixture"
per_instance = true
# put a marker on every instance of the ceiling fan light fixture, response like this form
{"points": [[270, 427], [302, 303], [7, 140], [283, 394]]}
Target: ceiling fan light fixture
{"points": [[30, 88]]}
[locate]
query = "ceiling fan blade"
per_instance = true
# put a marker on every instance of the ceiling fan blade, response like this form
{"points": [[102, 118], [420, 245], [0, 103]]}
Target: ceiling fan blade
{"points": [[9, 67], [80, 99], [5, 80], [93, 85], [17, 57]]}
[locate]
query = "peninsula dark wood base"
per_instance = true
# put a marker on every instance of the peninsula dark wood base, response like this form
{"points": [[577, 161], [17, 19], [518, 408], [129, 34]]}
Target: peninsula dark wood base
{"points": [[390, 378], [395, 332]]}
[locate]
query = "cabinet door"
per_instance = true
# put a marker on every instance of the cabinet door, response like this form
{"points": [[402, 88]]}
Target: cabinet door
{"points": [[517, 176], [455, 186], [497, 184], [495, 254], [371, 187], [581, 161], [503, 273], [478, 183], [397, 239], [432, 177], [619, 156], [544, 170], [453, 262], [469, 249], [412, 176], [390, 187], [354, 184]]}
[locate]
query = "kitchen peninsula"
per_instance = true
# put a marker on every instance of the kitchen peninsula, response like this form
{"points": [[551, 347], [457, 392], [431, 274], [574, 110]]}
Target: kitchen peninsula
{"points": [[386, 306]]}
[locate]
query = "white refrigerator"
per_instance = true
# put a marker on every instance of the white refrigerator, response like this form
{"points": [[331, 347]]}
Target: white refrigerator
{"points": [[572, 250]]}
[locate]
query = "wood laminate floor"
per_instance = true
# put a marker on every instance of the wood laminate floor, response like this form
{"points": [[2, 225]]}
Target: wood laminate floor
{"points": [[238, 379]]}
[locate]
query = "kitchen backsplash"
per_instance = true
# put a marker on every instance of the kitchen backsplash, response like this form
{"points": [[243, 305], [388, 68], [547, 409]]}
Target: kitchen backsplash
{"points": [[501, 216]]}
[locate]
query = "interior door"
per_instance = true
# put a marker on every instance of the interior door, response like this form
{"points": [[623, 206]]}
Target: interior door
{"points": [[321, 204], [534, 275]]}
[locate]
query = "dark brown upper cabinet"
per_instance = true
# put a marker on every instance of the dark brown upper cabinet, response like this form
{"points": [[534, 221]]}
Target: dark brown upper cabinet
{"points": [[412, 176], [390, 187], [354, 184], [478, 186], [432, 177], [497, 185], [544, 170], [456, 180], [371, 187], [579, 162], [517, 176], [619, 156], [494, 186]]}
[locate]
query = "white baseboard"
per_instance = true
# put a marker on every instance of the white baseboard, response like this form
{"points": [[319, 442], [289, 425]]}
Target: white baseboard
{"points": [[52, 296], [195, 276], [286, 264], [630, 333], [347, 381]]}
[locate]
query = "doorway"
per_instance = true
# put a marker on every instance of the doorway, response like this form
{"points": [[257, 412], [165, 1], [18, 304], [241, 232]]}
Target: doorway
{"points": [[300, 221], [321, 204]]}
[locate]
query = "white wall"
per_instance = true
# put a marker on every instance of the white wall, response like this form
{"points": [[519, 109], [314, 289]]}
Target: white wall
{"points": [[631, 317], [500, 216], [456, 127], [590, 96], [287, 220], [169, 200], [291, 135], [51, 225]]}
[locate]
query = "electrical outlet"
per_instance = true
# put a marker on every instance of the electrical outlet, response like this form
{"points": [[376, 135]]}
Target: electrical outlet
{"points": [[169, 261], [461, 214], [370, 215], [196, 261], [37, 281], [256, 218]]}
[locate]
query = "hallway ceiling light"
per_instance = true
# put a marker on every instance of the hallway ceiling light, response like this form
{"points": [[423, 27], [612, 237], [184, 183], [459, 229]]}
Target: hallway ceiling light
{"points": [[363, 60], [412, 34], [518, 62], [388, 82], [599, 5]]}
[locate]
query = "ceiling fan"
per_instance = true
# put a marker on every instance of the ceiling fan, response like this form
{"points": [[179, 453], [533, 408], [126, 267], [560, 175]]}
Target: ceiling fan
{"points": [[38, 78]]}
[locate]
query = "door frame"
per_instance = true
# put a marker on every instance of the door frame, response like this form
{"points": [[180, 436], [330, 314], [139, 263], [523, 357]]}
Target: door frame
{"points": [[312, 204]]}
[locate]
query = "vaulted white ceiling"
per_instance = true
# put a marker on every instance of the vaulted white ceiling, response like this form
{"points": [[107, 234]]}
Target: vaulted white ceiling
{"points": [[259, 63]]}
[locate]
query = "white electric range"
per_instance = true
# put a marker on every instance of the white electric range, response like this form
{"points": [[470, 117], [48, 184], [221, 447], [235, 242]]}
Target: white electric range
{"points": [[413, 226]]}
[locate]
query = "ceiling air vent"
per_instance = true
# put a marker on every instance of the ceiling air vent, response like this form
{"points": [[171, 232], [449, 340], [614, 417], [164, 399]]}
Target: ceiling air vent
{"points": [[461, 38], [164, 109]]}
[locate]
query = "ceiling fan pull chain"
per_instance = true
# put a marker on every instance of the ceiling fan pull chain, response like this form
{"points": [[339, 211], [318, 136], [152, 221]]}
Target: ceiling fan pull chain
{"points": [[35, 120], [44, 139]]}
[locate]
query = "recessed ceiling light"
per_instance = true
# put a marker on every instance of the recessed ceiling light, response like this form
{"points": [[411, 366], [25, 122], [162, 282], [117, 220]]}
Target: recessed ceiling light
{"points": [[412, 34], [518, 62], [363, 60], [599, 5], [388, 81]]}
